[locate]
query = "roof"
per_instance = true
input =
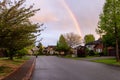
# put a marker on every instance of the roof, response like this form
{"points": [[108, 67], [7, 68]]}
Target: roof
{"points": [[76, 46], [79, 47], [51, 46], [99, 41]]}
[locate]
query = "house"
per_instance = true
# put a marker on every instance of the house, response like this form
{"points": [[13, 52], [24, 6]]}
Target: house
{"points": [[90, 45], [96, 46], [34, 50], [51, 49], [79, 51], [111, 51]]}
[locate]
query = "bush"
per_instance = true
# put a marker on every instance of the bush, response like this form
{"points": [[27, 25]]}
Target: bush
{"points": [[91, 53], [81, 53], [40, 53], [97, 53], [101, 54], [87, 51], [21, 53], [105, 52]]}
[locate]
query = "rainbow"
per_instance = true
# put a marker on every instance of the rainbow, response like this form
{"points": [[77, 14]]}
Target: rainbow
{"points": [[73, 17]]}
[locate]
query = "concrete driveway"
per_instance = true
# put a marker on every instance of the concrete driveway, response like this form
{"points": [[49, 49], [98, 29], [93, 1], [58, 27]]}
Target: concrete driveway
{"points": [[55, 68]]}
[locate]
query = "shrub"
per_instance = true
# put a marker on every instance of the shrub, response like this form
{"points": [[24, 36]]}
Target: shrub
{"points": [[91, 53], [101, 54], [81, 53], [97, 53], [105, 52], [21, 53]]}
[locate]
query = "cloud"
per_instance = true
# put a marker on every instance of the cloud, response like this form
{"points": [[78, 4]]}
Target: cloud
{"points": [[45, 18]]}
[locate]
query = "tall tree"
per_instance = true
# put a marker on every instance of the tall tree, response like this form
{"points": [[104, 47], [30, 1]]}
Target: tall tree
{"points": [[16, 30], [89, 38], [62, 44], [110, 21], [72, 39]]}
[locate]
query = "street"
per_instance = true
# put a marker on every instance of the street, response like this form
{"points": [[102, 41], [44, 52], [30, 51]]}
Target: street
{"points": [[56, 68]]}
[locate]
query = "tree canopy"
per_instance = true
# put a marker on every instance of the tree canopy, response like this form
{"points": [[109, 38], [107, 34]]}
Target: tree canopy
{"points": [[16, 29], [62, 44], [89, 38], [72, 39]]}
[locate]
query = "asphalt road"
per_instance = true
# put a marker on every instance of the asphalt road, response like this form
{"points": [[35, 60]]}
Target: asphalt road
{"points": [[55, 68]]}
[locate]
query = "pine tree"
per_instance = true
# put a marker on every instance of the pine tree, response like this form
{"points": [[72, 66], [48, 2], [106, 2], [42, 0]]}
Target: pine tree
{"points": [[62, 44]]}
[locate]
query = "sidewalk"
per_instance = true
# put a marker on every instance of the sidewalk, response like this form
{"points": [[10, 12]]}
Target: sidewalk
{"points": [[24, 72]]}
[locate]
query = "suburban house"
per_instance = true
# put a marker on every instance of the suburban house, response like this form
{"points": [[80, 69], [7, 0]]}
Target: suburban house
{"points": [[34, 50], [79, 51], [96, 46], [50, 49]]}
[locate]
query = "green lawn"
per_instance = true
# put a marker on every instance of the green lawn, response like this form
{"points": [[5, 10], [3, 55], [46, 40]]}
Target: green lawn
{"points": [[79, 58], [7, 66], [108, 61], [111, 61]]}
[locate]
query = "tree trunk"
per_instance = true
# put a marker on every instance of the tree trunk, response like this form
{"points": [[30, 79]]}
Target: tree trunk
{"points": [[11, 57], [11, 54], [117, 51], [116, 31]]}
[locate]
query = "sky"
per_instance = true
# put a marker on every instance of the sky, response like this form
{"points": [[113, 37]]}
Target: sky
{"points": [[64, 16]]}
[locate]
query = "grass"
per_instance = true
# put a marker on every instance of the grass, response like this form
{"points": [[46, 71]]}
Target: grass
{"points": [[111, 61], [4, 70], [79, 58], [7, 66]]}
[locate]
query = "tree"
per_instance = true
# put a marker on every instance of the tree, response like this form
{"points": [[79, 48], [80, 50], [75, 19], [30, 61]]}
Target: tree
{"points": [[40, 47], [62, 44], [110, 21], [72, 39], [89, 38], [16, 30], [22, 52], [108, 40], [99, 31]]}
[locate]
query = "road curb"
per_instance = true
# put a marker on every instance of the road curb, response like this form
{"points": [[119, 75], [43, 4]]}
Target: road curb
{"points": [[29, 73]]}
